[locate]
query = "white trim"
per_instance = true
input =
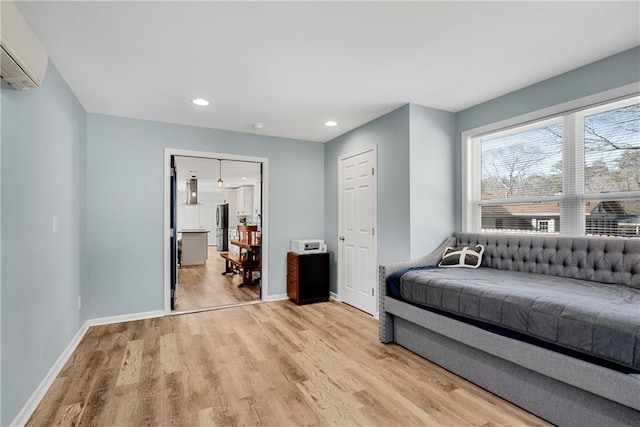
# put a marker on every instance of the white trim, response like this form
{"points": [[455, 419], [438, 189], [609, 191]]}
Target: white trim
{"points": [[572, 218], [36, 397], [334, 296], [1, 274], [168, 152], [216, 308], [524, 127], [471, 171], [523, 200], [124, 318], [619, 195], [272, 298], [340, 258], [556, 110]]}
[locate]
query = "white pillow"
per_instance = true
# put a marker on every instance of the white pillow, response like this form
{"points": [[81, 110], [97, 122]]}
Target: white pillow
{"points": [[462, 257]]}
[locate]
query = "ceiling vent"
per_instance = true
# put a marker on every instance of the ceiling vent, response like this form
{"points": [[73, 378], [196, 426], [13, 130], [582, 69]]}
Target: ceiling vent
{"points": [[23, 60]]}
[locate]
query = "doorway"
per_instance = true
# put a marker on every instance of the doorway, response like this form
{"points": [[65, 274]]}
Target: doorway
{"points": [[357, 222], [197, 274]]}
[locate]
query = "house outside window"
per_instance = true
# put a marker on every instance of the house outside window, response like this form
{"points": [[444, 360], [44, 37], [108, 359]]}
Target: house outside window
{"points": [[543, 225], [576, 173]]}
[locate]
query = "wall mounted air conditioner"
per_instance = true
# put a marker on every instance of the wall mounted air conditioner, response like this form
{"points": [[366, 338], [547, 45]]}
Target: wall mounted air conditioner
{"points": [[23, 60]]}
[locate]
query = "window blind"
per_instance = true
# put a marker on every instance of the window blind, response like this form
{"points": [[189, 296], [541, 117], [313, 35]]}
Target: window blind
{"points": [[575, 174]]}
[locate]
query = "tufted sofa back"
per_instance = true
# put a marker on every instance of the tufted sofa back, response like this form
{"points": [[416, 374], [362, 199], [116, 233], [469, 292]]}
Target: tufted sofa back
{"points": [[600, 259]]}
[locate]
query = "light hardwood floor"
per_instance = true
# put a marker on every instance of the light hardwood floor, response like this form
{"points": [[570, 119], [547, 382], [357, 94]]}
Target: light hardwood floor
{"points": [[263, 364], [204, 286]]}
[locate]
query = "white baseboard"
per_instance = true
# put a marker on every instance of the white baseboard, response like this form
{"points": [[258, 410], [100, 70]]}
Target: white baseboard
{"points": [[125, 318], [31, 404], [35, 398], [280, 297], [334, 296]]}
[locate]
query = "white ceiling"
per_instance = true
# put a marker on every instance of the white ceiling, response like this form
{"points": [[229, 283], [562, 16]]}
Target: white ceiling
{"points": [[234, 173], [295, 65]]}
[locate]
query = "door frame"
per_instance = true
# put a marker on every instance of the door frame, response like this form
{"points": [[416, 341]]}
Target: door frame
{"points": [[173, 237], [343, 157], [264, 274]]}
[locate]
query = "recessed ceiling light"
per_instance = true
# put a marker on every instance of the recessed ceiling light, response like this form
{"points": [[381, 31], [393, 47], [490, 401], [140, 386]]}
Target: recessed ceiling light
{"points": [[331, 123], [258, 125], [244, 178], [201, 102]]}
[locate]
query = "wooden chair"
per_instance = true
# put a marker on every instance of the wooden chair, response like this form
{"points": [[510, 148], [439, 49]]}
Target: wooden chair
{"points": [[248, 259], [248, 234]]}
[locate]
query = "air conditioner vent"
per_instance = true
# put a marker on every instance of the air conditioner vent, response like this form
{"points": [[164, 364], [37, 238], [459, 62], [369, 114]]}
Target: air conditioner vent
{"points": [[23, 59]]}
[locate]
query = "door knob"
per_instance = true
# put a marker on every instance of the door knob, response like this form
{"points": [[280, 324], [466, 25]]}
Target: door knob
{"points": [[341, 238]]}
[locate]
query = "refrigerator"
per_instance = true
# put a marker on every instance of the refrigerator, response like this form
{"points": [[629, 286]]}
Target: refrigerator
{"points": [[222, 227]]}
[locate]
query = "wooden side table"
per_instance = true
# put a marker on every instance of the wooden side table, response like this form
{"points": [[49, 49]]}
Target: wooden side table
{"points": [[308, 277]]}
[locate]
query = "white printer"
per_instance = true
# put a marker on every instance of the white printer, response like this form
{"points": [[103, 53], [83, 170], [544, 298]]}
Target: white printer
{"points": [[309, 246]]}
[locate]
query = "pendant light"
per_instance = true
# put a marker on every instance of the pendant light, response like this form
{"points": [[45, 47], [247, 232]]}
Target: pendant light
{"points": [[192, 190], [194, 186], [220, 181]]}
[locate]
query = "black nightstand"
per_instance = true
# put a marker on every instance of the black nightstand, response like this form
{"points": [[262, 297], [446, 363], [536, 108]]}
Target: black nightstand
{"points": [[308, 277]]}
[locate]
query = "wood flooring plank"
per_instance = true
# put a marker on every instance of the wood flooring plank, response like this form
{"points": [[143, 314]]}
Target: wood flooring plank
{"points": [[47, 410], [261, 365], [204, 286], [318, 363], [174, 405], [149, 401], [68, 415], [84, 380], [377, 412], [98, 399], [169, 357], [329, 405], [206, 417], [124, 404], [196, 371], [131, 363], [250, 341]]}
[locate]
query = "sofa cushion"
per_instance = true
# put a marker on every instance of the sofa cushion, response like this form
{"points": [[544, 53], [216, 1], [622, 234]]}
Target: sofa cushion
{"points": [[600, 259], [603, 321]]}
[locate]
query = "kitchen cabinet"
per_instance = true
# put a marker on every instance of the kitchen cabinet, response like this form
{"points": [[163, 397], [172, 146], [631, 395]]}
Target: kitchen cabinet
{"points": [[308, 277], [244, 201], [193, 246], [257, 200], [200, 216]]}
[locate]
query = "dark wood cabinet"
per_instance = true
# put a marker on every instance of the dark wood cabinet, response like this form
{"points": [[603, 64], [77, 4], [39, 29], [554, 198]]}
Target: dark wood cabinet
{"points": [[308, 277]]}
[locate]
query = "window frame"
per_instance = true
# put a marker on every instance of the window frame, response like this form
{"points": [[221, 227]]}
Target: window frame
{"points": [[571, 114], [543, 224]]}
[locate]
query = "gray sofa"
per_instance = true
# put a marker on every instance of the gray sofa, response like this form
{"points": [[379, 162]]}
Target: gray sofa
{"points": [[576, 294]]}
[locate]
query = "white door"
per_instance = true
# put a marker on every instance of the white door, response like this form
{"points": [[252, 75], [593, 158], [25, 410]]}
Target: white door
{"points": [[357, 207]]}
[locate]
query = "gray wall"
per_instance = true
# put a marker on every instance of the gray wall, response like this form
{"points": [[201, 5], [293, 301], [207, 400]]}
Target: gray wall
{"points": [[49, 146], [415, 181], [43, 174], [432, 190], [609, 73], [125, 200], [391, 135]]}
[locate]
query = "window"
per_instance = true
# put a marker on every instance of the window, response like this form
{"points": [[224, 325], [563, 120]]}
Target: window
{"points": [[543, 225], [574, 174]]}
